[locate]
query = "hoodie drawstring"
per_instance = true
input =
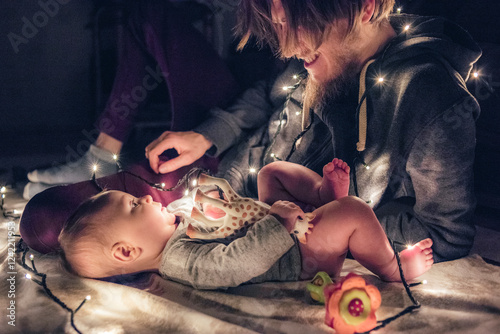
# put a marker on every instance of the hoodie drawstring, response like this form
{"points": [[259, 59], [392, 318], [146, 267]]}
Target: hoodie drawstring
{"points": [[362, 117]]}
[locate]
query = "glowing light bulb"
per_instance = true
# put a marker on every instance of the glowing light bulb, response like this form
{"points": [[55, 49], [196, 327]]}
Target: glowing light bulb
{"points": [[273, 155], [115, 157], [252, 170], [297, 113], [409, 246], [3, 190], [194, 183], [285, 87], [3, 196], [424, 281], [399, 10], [476, 75], [407, 27], [186, 192], [163, 185], [32, 257], [28, 276], [94, 168], [88, 297], [381, 79]]}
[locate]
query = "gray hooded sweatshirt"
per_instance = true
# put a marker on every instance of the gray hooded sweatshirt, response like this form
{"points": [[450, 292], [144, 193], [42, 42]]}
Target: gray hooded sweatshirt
{"points": [[420, 136]]}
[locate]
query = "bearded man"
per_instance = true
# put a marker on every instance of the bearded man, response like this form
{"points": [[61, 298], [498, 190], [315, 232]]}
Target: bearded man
{"points": [[391, 90]]}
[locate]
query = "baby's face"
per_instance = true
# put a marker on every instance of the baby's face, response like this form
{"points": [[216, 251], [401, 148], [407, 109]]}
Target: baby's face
{"points": [[140, 220]]}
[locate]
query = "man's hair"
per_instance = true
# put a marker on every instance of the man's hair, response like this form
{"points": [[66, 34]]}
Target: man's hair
{"points": [[83, 239], [313, 18]]}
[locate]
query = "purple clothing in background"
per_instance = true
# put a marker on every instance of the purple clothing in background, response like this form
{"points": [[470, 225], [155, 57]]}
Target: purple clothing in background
{"points": [[160, 44]]}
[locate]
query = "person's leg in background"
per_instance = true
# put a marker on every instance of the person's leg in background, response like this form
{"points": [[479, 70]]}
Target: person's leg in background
{"points": [[158, 44]]}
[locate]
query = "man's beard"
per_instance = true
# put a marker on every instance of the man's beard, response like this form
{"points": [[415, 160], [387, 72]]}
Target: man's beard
{"points": [[317, 95]]}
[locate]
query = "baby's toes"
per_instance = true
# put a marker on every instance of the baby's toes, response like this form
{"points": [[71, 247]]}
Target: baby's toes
{"points": [[424, 244]]}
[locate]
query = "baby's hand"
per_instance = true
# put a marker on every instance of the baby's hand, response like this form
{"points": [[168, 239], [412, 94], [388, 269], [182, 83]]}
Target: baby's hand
{"points": [[287, 213]]}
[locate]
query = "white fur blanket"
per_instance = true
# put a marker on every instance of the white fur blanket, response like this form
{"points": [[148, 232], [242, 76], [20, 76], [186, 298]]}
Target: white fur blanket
{"points": [[461, 296]]}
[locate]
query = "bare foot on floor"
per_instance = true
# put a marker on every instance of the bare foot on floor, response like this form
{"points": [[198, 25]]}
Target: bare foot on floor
{"points": [[335, 183], [415, 260]]}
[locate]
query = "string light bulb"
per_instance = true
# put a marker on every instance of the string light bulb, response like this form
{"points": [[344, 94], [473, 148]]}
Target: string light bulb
{"points": [[194, 183], [28, 276], [81, 304], [399, 10], [163, 184], [252, 170], [381, 79], [94, 168], [115, 157], [476, 75], [3, 190], [407, 27]]}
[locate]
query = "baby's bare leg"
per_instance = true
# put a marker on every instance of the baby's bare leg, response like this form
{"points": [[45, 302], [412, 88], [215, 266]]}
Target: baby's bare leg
{"points": [[288, 181], [350, 224]]}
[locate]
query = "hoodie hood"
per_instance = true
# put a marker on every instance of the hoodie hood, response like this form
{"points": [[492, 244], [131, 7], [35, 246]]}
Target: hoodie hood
{"points": [[432, 35]]}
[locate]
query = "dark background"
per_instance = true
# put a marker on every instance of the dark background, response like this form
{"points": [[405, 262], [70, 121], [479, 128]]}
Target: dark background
{"points": [[54, 85]]}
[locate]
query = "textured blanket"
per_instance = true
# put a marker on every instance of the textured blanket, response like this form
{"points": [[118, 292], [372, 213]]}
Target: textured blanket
{"points": [[461, 296]]}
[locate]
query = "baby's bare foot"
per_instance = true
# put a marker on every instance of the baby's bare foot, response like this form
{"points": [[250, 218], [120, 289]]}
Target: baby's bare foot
{"points": [[415, 260], [335, 183]]}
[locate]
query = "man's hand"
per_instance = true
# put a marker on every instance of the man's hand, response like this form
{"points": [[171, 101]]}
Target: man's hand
{"points": [[189, 145], [287, 213]]}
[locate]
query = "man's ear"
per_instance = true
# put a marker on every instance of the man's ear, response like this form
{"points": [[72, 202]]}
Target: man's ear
{"points": [[368, 9], [125, 252]]}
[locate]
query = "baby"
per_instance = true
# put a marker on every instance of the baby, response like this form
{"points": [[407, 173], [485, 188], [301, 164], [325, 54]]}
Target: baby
{"points": [[116, 233]]}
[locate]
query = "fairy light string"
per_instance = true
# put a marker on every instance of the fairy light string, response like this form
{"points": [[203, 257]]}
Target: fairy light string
{"points": [[189, 180], [415, 303], [41, 278], [7, 214], [289, 98]]}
